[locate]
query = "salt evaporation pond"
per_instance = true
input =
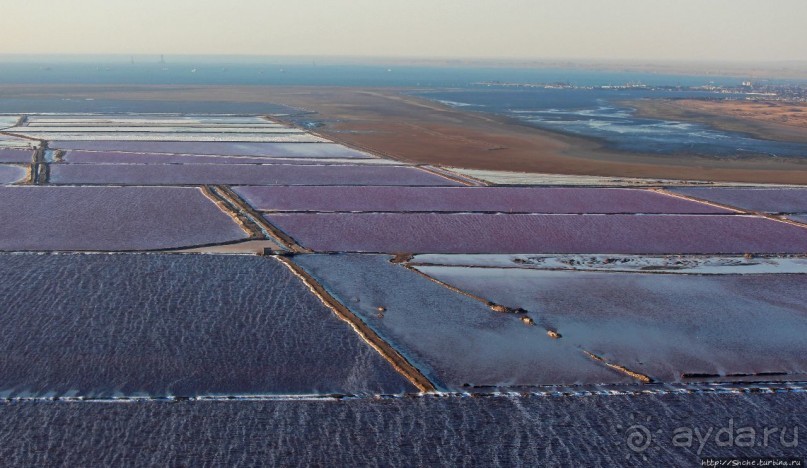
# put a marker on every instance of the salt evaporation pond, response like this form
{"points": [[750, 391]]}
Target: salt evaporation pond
{"points": [[673, 263], [144, 119], [188, 174], [505, 233], [182, 325], [172, 137], [698, 325], [468, 199], [136, 108], [115, 157], [426, 431], [179, 131], [16, 156], [111, 218], [311, 150], [11, 174], [8, 120], [457, 342], [778, 200]]}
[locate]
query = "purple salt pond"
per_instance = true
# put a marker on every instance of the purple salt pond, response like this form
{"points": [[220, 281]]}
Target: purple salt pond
{"points": [[505, 233], [111, 157], [661, 325], [468, 199], [38, 218], [11, 174], [435, 430], [183, 325], [300, 150], [771, 200], [190, 174], [15, 156]]}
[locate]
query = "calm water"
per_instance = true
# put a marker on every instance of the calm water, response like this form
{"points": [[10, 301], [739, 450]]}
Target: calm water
{"points": [[293, 72]]}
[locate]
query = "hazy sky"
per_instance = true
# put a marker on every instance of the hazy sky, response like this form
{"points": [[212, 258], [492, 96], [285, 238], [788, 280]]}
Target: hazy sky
{"points": [[584, 29]]}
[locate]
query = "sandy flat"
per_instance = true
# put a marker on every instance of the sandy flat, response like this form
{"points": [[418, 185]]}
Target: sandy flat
{"points": [[420, 131], [769, 120]]}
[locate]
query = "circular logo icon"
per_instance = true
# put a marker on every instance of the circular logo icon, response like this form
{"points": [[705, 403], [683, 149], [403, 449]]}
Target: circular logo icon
{"points": [[639, 438]]}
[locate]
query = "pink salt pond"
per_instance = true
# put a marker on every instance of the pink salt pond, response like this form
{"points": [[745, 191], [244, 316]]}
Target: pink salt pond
{"points": [[111, 219], [198, 174], [8, 155], [469, 199], [519, 233], [771, 200]]}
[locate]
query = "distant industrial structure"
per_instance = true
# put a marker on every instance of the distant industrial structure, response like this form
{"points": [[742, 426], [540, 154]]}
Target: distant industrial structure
{"points": [[787, 92]]}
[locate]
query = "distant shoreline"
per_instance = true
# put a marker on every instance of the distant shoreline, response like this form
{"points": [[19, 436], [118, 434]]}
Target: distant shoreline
{"points": [[793, 70], [416, 130], [776, 70]]}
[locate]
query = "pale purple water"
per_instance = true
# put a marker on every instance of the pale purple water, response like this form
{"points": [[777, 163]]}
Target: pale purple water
{"points": [[470, 199], [15, 156], [110, 157], [198, 174], [504, 233], [778, 200], [111, 218], [10, 174]]}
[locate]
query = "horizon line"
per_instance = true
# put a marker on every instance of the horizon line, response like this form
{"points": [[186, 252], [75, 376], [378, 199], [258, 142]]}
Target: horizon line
{"points": [[483, 59]]}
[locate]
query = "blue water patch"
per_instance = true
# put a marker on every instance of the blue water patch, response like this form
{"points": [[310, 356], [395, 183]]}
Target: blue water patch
{"points": [[598, 113], [286, 71]]}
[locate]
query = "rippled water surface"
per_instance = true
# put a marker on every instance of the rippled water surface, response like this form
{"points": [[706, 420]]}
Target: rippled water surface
{"points": [[183, 325], [427, 431]]}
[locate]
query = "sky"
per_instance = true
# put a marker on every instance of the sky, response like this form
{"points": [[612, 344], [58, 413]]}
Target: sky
{"points": [[681, 30]]}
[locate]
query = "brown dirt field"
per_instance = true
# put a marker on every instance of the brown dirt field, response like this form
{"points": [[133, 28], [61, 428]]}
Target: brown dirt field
{"points": [[420, 131]]}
